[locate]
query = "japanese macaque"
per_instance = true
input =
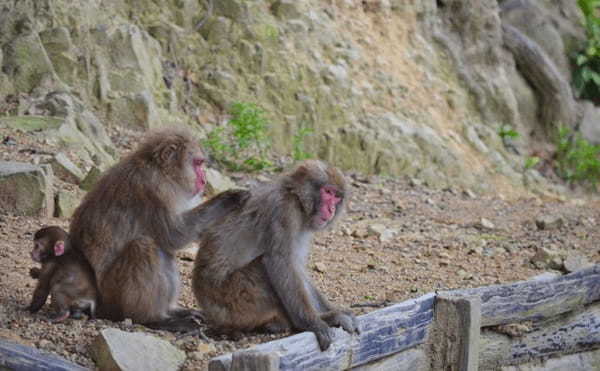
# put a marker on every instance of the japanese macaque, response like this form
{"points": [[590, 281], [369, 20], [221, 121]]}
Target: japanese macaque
{"points": [[250, 271], [130, 225], [65, 274]]}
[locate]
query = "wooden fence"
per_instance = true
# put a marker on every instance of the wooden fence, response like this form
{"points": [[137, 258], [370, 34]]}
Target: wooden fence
{"points": [[453, 330]]}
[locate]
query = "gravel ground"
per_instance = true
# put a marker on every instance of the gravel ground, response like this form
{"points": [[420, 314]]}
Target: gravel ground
{"points": [[398, 240]]}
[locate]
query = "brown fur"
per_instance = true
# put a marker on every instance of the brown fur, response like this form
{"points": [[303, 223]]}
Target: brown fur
{"points": [[68, 277], [250, 271], [132, 222]]}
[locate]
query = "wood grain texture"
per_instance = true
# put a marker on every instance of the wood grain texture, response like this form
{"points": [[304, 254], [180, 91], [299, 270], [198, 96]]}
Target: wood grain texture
{"points": [[383, 332], [454, 339], [575, 332], [536, 300], [19, 357]]}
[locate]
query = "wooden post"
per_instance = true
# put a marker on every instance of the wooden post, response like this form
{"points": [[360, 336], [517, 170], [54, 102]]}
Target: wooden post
{"points": [[454, 341]]}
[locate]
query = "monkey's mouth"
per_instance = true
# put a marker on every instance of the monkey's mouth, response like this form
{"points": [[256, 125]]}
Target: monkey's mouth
{"points": [[35, 257]]}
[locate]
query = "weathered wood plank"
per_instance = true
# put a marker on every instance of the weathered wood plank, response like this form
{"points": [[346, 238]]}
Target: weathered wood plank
{"points": [[383, 332], [251, 360], [576, 332], [454, 338], [19, 357], [536, 300], [413, 359]]}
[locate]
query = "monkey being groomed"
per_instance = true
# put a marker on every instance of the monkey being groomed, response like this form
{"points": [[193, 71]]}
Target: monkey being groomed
{"points": [[130, 225], [250, 271], [65, 274]]}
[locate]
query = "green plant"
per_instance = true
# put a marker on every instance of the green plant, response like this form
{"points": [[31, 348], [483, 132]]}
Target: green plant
{"points": [[577, 160], [298, 151], [242, 143], [507, 132], [530, 162], [586, 75]]}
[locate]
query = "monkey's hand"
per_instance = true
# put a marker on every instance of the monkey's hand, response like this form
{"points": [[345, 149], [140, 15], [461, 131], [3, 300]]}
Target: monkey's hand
{"points": [[35, 272], [343, 319], [321, 331]]}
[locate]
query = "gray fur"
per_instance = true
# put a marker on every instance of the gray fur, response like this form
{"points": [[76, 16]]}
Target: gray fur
{"points": [[274, 223]]}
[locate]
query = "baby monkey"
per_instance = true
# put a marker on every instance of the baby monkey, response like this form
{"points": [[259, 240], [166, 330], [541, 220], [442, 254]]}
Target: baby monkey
{"points": [[65, 273]]}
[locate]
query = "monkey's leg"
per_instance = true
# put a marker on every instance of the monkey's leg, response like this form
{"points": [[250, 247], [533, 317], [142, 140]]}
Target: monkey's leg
{"points": [[142, 284], [42, 290], [61, 303], [245, 301]]}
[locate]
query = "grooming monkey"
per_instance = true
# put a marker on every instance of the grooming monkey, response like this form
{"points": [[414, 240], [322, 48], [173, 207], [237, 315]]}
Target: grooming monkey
{"points": [[250, 271], [130, 225], [65, 274]]}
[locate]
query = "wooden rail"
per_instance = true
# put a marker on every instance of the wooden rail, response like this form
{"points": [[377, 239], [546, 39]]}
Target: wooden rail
{"points": [[453, 330]]}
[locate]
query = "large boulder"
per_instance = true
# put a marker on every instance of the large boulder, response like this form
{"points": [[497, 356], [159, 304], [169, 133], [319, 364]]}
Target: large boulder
{"points": [[26, 189]]}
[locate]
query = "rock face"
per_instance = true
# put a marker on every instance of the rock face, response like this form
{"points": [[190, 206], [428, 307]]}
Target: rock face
{"points": [[119, 350], [26, 189], [417, 88]]}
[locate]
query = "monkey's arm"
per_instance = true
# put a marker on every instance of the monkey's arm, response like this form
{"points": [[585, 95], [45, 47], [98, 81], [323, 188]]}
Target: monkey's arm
{"points": [[35, 273], [42, 290], [213, 210], [290, 287], [334, 316]]}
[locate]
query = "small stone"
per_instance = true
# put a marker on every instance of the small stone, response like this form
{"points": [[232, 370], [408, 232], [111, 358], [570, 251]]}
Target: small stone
{"points": [[414, 182], [206, 348], [429, 201], [360, 233], [461, 273], [90, 179], [128, 322], [65, 169], [189, 254], [546, 258], [476, 250], [114, 349], [469, 194], [575, 262], [67, 201], [320, 267], [486, 224], [375, 229], [546, 222]]}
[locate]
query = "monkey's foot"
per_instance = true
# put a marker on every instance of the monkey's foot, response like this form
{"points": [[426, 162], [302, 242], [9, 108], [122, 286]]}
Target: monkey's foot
{"points": [[186, 313], [59, 317], [77, 314], [197, 332], [175, 324]]}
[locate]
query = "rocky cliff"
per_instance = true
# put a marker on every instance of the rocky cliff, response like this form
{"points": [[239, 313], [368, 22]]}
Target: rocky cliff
{"points": [[417, 88]]}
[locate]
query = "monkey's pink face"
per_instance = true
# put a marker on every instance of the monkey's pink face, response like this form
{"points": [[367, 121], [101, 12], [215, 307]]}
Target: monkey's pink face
{"points": [[330, 199], [40, 253], [200, 182]]}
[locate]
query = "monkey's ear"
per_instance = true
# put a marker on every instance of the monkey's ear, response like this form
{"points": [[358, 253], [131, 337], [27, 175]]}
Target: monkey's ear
{"points": [[167, 153], [59, 248], [300, 174]]}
